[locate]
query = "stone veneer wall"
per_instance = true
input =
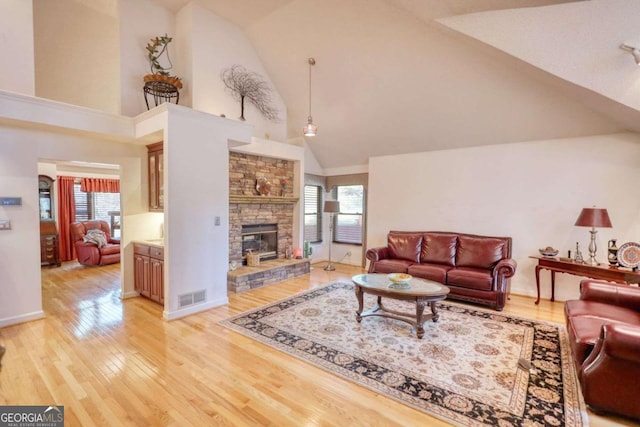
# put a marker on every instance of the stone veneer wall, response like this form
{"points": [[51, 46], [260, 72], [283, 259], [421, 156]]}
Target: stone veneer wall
{"points": [[244, 170]]}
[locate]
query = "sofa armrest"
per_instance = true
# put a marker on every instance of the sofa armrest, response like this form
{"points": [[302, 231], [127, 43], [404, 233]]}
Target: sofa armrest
{"points": [[87, 253], [113, 240], [608, 377], [376, 254], [617, 341], [505, 268], [609, 293]]}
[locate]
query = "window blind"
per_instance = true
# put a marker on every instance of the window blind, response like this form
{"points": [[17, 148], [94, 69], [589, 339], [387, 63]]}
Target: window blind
{"points": [[312, 214], [94, 205], [348, 222]]}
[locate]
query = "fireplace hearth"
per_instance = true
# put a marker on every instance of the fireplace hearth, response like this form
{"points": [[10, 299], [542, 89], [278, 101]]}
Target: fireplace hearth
{"points": [[261, 239]]}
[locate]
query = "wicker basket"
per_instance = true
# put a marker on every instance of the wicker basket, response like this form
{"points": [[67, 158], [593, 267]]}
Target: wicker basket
{"points": [[253, 260]]}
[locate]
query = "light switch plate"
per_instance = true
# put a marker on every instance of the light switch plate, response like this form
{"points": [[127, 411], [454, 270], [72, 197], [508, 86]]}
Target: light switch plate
{"points": [[5, 224]]}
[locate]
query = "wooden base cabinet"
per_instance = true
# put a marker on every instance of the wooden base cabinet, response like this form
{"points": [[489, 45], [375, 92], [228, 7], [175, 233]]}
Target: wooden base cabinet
{"points": [[148, 271]]}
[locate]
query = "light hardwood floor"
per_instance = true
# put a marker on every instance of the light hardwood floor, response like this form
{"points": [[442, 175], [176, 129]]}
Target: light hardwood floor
{"points": [[113, 362]]}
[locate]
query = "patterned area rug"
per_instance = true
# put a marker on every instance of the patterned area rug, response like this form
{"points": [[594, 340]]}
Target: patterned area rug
{"points": [[464, 371]]}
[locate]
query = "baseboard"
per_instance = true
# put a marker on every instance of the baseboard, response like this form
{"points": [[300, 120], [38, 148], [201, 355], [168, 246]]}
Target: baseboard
{"points": [[8, 321], [172, 315], [130, 294]]}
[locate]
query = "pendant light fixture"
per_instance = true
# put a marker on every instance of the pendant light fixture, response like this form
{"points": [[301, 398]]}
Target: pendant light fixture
{"points": [[310, 129]]}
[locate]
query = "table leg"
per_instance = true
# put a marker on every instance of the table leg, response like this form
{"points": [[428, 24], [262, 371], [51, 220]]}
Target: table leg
{"points": [[538, 283], [434, 311], [360, 297], [553, 285], [419, 323]]}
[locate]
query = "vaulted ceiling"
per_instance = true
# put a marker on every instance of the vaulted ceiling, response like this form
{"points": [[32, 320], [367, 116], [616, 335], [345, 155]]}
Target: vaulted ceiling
{"points": [[401, 76]]}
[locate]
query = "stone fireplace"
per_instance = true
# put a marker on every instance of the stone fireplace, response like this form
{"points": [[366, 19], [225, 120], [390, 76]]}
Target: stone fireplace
{"points": [[261, 239], [248, 208]]}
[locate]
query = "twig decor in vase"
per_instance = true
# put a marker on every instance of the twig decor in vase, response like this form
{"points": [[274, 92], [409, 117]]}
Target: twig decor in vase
{"points": [[160, 84]]}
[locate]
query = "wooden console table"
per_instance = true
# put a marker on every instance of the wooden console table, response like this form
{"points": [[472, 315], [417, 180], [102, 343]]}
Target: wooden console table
{"points": [[600, 272]]}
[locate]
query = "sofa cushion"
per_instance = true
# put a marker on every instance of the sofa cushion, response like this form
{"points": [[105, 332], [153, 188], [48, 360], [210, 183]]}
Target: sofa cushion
{"points": [[479, 252], [392, 266], [601, 310], [435, 272], [439, 248], [404, 246], [474, 278]]}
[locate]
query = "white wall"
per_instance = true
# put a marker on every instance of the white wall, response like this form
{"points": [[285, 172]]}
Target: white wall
{"points": [[23, 145], [140, 21], [16, 45], [197, 191], [217, 44], [531, 191], [77, 53]]}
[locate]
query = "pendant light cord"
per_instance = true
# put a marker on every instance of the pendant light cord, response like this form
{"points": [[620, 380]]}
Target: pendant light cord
{"points": [[312, 62]]}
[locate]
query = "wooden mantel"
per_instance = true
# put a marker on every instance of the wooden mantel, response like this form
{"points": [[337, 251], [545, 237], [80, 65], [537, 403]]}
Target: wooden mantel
{"points": [[262, 199]]}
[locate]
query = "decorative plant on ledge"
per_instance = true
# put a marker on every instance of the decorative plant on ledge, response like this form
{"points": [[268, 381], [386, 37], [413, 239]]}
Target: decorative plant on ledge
{"points": [[155, 49]]}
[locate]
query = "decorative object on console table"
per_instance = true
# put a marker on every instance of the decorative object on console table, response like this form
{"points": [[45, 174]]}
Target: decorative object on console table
{"points": [[612, 255], [331, 207], [593, 217], [159, 84], [578, 257], [628, 255]]}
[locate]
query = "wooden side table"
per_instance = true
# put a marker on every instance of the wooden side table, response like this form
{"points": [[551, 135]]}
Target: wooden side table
{"points": [[568, 266]]}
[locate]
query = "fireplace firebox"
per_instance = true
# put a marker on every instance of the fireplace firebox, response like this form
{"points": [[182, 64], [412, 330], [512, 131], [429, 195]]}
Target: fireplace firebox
{"points": [[261, 239]]}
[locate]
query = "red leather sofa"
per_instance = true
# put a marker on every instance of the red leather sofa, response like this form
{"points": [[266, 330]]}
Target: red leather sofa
{"points": [[89, 253], [475, 268], [604, 333]]}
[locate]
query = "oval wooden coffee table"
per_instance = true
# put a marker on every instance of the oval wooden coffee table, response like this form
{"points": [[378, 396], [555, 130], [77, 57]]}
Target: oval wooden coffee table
{"points": [[421, 291]]}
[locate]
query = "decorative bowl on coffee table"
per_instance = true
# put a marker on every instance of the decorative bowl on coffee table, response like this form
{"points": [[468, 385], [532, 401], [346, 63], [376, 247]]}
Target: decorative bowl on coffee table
{"points": [[399, 280]]}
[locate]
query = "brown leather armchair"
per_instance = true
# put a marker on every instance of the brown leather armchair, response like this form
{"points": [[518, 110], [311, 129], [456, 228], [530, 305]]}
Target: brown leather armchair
{"points": [[89, 253], [604, 333]]}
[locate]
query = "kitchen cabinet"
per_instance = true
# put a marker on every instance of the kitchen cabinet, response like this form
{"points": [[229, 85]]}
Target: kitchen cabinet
{"points": [[148, 271], [156, 177]]}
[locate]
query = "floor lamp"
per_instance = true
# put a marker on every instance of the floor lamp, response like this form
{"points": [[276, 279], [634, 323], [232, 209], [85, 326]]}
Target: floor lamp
{"points": [[331, 207]]}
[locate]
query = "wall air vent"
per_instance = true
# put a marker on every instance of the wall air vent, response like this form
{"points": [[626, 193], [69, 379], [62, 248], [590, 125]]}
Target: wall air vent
{"points": [[196, 297], [199, 296], [185, 300]]}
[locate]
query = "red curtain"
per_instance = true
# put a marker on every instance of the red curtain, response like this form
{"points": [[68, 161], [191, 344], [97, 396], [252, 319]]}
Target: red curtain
{"points": [[67, 214], [99, 185]]}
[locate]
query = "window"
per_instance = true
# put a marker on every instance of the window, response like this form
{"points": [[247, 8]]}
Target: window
{"points": [[348, 223], [94, 205], [312, 213]]}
